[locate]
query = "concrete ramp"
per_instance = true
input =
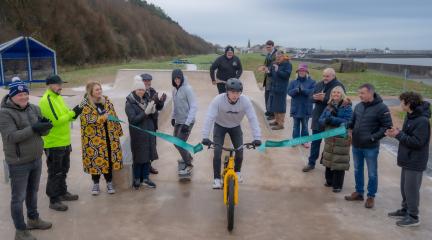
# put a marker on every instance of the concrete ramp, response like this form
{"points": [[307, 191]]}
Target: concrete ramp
{"points": [[277, 200]]}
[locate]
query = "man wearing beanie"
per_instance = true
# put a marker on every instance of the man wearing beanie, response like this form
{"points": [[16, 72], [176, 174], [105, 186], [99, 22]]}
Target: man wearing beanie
{"points": [[21, 127], [227, 66], [57, 143]]}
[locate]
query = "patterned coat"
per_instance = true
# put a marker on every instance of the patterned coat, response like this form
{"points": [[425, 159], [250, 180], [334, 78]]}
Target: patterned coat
{"points": [[93, 139]]}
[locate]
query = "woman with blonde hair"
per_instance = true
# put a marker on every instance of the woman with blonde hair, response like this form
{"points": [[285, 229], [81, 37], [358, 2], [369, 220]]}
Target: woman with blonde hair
{"points": [[100, 138], [336, 155]]}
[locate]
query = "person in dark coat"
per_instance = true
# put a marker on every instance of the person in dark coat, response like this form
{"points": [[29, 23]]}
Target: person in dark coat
{"points": [[280, 73], [301, 91], [227, 66], [140, 110], [268, 62], [320, 97], [152, 95], [336, 155], [413, 154], [370, 120]]}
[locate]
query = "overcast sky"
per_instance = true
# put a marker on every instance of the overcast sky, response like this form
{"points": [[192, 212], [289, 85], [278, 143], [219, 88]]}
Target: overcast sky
{"points": [[329, 24]]}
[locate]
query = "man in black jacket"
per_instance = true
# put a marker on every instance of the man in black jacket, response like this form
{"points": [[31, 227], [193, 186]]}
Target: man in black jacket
{"points": [[149, 95], [268, 62], [370, 120], [320, 97], [412, 155], [227, 66]]}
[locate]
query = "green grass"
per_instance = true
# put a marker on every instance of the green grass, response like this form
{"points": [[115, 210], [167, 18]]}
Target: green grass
{"points": [[385, 84]]}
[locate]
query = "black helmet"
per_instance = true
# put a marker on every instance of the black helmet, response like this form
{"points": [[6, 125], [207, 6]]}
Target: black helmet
{"points": [[234, 84]]}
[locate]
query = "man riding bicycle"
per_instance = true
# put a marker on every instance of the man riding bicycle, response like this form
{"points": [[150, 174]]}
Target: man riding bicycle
{"points": [[226, 111]]}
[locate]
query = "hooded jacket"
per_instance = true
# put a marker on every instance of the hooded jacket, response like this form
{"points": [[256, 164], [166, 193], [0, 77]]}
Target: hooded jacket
{"points": [[413, 152], [20, 143], [184, 103]]}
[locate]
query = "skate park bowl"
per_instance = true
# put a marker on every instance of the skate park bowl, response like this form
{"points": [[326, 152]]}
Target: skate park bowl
{"points": [[276, 201]]}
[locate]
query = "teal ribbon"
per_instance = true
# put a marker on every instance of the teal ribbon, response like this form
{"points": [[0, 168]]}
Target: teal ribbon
{"points": [[296, 141], [174, 140]]}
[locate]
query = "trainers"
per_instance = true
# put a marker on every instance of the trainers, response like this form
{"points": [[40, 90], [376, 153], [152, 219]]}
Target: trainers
{"points": [[23, 235], [149, 183], [400, 213], [337, 190], [408, 221], [69, 197], [355, 196], [308, 168], [95, 190], [58, 206], [186, 170], [110, 188], [136, 184], [38, 224], [217, 184], [370, 202], [239, 177]]}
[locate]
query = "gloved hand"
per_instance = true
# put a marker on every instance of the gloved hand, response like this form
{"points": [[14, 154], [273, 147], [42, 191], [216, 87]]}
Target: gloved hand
{"points": [[173, 122], [156, 97], [185, 129], [150, 108], [163, 97], [40, 127], [256, 143], [206, 142], [78, 110]]}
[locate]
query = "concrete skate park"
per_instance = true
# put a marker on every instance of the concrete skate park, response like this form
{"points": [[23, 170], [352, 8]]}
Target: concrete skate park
{"points": [[276, 201]]}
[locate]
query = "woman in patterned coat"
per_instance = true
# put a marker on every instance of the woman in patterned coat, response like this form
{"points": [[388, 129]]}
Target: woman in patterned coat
{"points": [[100, 138]]}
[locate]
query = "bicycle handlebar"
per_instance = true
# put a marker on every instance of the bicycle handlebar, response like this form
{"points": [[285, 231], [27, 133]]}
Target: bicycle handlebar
{"points": [[213, 145]]}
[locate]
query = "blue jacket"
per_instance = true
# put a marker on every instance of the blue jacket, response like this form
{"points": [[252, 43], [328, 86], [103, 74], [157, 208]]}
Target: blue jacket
{"points": [[301, 91], [280, 78], [335, 115]]}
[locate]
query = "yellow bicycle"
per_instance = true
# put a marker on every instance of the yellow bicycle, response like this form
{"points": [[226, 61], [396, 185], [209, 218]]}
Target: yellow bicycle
{"points": [[230, 180]]}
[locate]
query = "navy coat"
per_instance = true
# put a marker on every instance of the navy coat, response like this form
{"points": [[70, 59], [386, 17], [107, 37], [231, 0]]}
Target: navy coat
{"points": [[301, 91]]}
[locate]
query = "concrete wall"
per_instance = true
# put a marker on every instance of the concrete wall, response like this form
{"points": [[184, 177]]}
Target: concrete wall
{"points": [[414, 71]]}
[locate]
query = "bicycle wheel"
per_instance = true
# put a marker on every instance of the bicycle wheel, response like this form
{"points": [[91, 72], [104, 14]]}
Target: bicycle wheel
{"points": [[230, 205]]}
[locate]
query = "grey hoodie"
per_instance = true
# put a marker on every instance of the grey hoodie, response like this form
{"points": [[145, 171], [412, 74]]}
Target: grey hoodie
{"points": [[20, 143], [184, 102]]}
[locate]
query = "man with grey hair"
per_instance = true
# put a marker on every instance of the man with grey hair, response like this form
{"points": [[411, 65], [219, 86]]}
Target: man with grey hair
{"points": [[369, 123], [320, 97]]}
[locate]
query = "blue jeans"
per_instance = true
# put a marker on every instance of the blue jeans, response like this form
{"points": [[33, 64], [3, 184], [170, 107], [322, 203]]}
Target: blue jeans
{"points": [[141, 171], [315, 149], [370, 155], [25, 180], [304, 127]]}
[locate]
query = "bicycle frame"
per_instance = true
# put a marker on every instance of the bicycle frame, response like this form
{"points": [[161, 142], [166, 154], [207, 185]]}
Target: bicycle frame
{"points": [[229, 172]]}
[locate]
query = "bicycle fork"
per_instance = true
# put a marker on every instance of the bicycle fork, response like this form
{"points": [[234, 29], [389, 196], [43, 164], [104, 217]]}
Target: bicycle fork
{"points": [[230, 173]]}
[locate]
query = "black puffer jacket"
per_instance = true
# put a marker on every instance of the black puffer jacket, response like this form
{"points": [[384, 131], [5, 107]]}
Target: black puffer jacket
{"points": [[414, 139], [369, 123]]}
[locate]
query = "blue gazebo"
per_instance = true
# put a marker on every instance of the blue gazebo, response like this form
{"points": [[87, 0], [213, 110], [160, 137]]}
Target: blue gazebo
{"points": [[26, 58]]}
